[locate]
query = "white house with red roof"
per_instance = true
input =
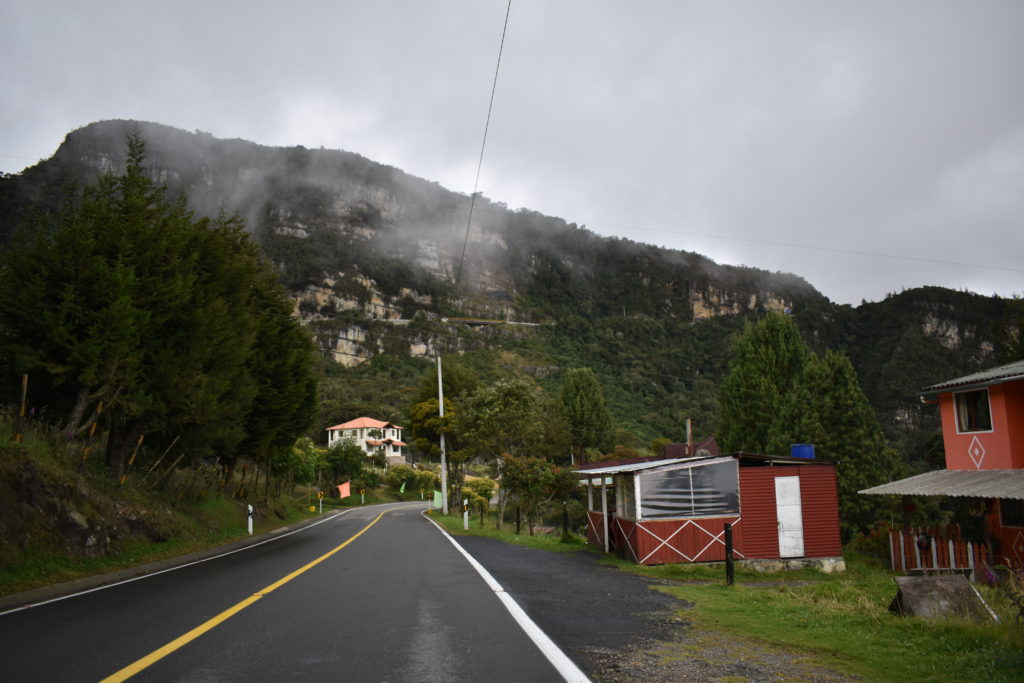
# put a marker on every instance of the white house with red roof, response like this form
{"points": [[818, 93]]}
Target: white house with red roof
{"points": [[373, 436]]}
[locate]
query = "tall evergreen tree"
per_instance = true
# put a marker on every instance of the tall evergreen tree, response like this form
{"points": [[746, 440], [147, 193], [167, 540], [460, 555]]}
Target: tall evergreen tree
{"points": [[778, 393], [853, 439], [123, 298], [768, 359], [583, 406]]}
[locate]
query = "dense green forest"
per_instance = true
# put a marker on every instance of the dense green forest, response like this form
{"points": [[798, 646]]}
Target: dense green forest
{"points": [[129, 315]]}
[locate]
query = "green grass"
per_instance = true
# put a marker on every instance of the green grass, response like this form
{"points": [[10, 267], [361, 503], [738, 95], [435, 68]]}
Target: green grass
{"points": [[211, 522], [842, 622], [453, 524]]}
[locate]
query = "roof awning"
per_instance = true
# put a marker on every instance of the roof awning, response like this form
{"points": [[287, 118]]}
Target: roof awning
{"points": [[651, 464], [957, 483]]}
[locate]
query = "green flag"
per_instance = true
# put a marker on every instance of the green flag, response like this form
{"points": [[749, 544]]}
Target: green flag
{"points": [[437, 499], [402, 490]]}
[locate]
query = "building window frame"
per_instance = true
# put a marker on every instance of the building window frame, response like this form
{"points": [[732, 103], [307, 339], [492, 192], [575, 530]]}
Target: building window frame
{"points": [[972, 411], [1011, 513]]}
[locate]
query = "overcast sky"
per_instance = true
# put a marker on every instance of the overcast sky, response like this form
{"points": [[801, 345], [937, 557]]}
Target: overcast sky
{"points": [[867, 146]]}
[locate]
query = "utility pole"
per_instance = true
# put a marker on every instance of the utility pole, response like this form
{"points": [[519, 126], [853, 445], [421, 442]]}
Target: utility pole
{"points": [[689, 438], [444, 462]]}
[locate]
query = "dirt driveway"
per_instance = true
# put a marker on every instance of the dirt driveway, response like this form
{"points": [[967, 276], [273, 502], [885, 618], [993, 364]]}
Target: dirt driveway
{"points": [[616, 627]]}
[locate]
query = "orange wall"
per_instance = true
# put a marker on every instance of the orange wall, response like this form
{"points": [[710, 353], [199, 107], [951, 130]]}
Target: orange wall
{"points": [[1003, 447], [1014, 393]]}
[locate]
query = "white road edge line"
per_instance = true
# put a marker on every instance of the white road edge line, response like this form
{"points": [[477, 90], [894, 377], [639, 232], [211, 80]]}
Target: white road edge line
{"points": [[336, 515], [565, 666]]}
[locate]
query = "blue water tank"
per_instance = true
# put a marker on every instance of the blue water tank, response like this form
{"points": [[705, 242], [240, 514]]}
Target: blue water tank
{"points": [[802, 450]]}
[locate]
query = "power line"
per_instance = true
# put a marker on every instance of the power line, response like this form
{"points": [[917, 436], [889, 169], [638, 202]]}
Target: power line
{"points": [[794, 245], [483, 145]]}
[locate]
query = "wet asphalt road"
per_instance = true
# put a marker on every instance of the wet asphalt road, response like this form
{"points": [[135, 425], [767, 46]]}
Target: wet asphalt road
{"points": [[585, 607], [397, 603]]}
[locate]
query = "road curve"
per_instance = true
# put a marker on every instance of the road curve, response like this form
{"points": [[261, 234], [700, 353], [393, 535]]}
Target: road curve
{"points": [[350, 598]]}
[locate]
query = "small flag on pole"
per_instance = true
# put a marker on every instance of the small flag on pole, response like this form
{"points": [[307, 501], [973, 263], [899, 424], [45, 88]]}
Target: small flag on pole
{"points": [[402, 490], [437, 499], [343, 490]]}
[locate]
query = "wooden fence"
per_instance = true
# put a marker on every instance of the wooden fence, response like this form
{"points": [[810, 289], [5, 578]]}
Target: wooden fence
{"points": [[923, 549]]}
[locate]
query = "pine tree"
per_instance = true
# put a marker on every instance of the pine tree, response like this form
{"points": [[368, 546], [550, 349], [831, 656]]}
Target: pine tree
{"points": [[176, 325], [853, 439], [779, 393], [583, 407], [768, 359]]}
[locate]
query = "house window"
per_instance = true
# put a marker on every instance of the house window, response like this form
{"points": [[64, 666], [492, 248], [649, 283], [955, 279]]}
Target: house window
{"points": [[972, 411], [700, 491], [625, 497], [1011, 512]]}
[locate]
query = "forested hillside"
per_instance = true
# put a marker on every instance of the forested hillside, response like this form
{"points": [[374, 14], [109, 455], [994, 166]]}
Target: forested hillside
{"points": [[381, 269]]}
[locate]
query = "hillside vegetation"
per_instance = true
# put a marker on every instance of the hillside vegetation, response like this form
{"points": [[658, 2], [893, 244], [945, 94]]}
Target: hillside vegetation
{"points": [[182, 342]]}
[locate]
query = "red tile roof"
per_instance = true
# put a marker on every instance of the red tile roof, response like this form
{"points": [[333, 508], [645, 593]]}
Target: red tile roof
{"points": [[364, 423]]}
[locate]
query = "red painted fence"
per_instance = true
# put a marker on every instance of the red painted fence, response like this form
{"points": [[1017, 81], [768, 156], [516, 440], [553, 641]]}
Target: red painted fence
{"points": [[935, 548], [664, 541]]}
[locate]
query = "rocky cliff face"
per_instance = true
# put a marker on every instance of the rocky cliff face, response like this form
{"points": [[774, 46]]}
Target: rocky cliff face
{"points": [[363, 245], [367, 248]]}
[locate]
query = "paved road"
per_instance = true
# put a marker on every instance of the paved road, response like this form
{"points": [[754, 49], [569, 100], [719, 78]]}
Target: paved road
{"points": [[593, 612], [397, 603]]}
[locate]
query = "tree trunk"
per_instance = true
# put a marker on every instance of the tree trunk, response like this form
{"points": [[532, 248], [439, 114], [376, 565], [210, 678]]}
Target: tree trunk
{"points": [[120, 441], [456, 477], [266, 487], [78, 413], [502, 503]]}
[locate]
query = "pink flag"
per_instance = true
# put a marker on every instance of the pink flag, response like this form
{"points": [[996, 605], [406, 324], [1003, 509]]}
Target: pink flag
{"points": [[343, 490]]}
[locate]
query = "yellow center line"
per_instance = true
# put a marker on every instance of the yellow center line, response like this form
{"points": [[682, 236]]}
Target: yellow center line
{"points": [[155, 656]]}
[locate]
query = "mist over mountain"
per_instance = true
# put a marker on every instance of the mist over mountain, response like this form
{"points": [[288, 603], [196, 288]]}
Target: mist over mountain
{"points": [[381, 262]]}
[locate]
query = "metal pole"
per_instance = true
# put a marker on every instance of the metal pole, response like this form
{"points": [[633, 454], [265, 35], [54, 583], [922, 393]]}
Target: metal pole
{"points": [[729, 577], [465, 514], [444, 461], [21, 410], [604, 510]]}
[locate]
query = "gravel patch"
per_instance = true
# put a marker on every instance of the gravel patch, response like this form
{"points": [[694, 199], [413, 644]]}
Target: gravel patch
{"points": [[618, 628]]}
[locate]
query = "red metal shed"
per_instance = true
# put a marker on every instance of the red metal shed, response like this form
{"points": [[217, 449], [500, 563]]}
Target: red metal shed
{"points": [[676, 510]]}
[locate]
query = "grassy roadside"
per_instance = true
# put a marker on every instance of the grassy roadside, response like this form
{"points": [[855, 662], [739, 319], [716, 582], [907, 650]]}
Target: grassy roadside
{"points": [[839, 622], [453, 524], [213, 522], [210, 523], [64, 519]]}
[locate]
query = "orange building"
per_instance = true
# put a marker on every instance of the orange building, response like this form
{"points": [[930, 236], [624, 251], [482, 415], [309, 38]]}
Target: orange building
{"points": [[983, 434]]}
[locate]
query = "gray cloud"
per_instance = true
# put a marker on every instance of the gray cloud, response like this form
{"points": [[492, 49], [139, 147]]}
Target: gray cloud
{"points": [[865, 146]]}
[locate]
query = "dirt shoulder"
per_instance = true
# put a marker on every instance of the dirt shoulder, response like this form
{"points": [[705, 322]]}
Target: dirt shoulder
{"points": [[617, 627]]}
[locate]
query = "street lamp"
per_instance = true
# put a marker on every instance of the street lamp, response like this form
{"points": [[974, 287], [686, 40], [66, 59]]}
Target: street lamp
{"points": [[444, 463]]}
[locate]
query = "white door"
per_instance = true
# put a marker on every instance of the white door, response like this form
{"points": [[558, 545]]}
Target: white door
{"points": [[791, 523]]}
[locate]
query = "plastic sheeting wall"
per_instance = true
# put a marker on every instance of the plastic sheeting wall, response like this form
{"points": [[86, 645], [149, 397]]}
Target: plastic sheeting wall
{"points": [[697, 491]]}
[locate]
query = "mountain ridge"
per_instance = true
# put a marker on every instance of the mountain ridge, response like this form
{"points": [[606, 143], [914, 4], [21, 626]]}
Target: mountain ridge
{"points": [[373, 257]]}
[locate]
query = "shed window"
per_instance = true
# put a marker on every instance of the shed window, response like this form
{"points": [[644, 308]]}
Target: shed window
{"points": [[972, 411], [625, 499], [703, 491], [1011, 512]]}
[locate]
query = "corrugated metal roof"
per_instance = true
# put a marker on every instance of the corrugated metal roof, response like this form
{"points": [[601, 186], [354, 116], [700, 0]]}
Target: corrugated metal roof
{"points": [[957, 483], [1003, 373], [649, 464], [635, 466]]}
